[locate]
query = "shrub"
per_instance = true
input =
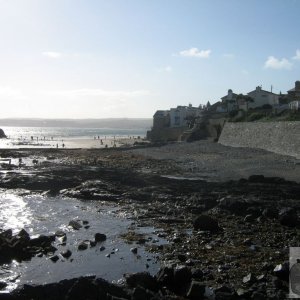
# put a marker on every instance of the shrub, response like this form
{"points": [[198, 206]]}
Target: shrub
{"points": [[256, 116]]}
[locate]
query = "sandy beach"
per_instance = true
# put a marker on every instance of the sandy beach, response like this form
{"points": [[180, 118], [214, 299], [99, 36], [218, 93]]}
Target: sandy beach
{"points": [[71, 143]]}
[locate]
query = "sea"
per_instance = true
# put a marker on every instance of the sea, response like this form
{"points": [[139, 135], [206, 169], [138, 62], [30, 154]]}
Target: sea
{"points": [[69, 137], [39, 213]]}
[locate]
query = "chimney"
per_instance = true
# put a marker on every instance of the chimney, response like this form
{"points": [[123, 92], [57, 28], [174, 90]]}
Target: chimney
{"points": [[297, 85]]}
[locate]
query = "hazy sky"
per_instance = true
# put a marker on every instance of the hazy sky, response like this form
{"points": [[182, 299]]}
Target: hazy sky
{"points": [[128, 58]]}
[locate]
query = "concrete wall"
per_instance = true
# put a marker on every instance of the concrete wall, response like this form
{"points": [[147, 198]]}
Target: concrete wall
{"points": [[278, 137], [165, 134]]}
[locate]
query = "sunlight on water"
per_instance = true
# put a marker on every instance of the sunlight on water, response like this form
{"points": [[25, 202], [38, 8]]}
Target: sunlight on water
{"points": [[14, 212]]}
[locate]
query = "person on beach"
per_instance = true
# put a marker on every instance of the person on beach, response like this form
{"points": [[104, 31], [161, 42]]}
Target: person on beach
{"points": [[56, 145]]}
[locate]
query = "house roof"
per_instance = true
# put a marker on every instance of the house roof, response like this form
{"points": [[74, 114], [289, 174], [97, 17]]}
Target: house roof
{"points": [[233, 94], [262, 91], [161, 113], [291, 90]]}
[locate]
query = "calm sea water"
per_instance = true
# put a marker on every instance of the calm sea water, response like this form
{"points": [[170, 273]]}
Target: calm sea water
{"points": [[74, 133], [69, 137], [38, 214]]}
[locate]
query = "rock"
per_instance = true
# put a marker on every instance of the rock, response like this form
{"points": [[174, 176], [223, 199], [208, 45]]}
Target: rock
{"points": [[270, 213], [23, 235], [197, 273], [224, 292], [182, 257], [93, 243], [288, 217], [249, 218], [248, 279], [60, 233], [66, 254], [134, 250], [42, 241], [54, 258], [102, 248], [182, 275], [7, 234], [82, 246], [2, 134], [258, 296], [143, 279], [3, 285], [255, 212], [100, 237], [282, 271], [83, 288], [256, 178], [75, 224], [165, 276], [196, 290], [206, 223], [140, 293], [235, 206]]}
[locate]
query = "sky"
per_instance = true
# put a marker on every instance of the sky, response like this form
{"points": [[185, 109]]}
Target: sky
{"points": [[129, 58]]}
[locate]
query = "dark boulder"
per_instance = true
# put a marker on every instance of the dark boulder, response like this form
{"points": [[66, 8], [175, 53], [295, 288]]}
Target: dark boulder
{"points": [[235, 206], [282, 271], [75, 224], [206, 223], [165, 276], [142, 279], [288, 217], [270, 213], [42, 241], [182, 275], [2, 134], [196, 290], [100, 237]]}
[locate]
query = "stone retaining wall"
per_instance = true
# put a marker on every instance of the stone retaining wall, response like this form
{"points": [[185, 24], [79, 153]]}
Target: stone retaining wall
{"points": [[165, 134], [278, 137]]}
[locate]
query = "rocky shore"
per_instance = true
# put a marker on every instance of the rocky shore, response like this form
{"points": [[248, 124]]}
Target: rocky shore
{"points": [[229, 216]]}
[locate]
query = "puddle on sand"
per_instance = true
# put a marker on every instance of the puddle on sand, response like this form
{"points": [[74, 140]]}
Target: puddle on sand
{"points": [[45, 215]]}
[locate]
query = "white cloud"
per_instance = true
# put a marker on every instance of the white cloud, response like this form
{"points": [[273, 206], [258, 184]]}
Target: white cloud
{"points": [[7, 92], [278, 64], [52, 54], [245, 72], [194, 52], [297, 56], [100, 93]]}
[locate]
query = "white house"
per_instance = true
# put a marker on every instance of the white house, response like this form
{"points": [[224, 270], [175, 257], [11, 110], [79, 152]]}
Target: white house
{"points": [[179, 116], [229, 102], [261, 97], [294, 105]]}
